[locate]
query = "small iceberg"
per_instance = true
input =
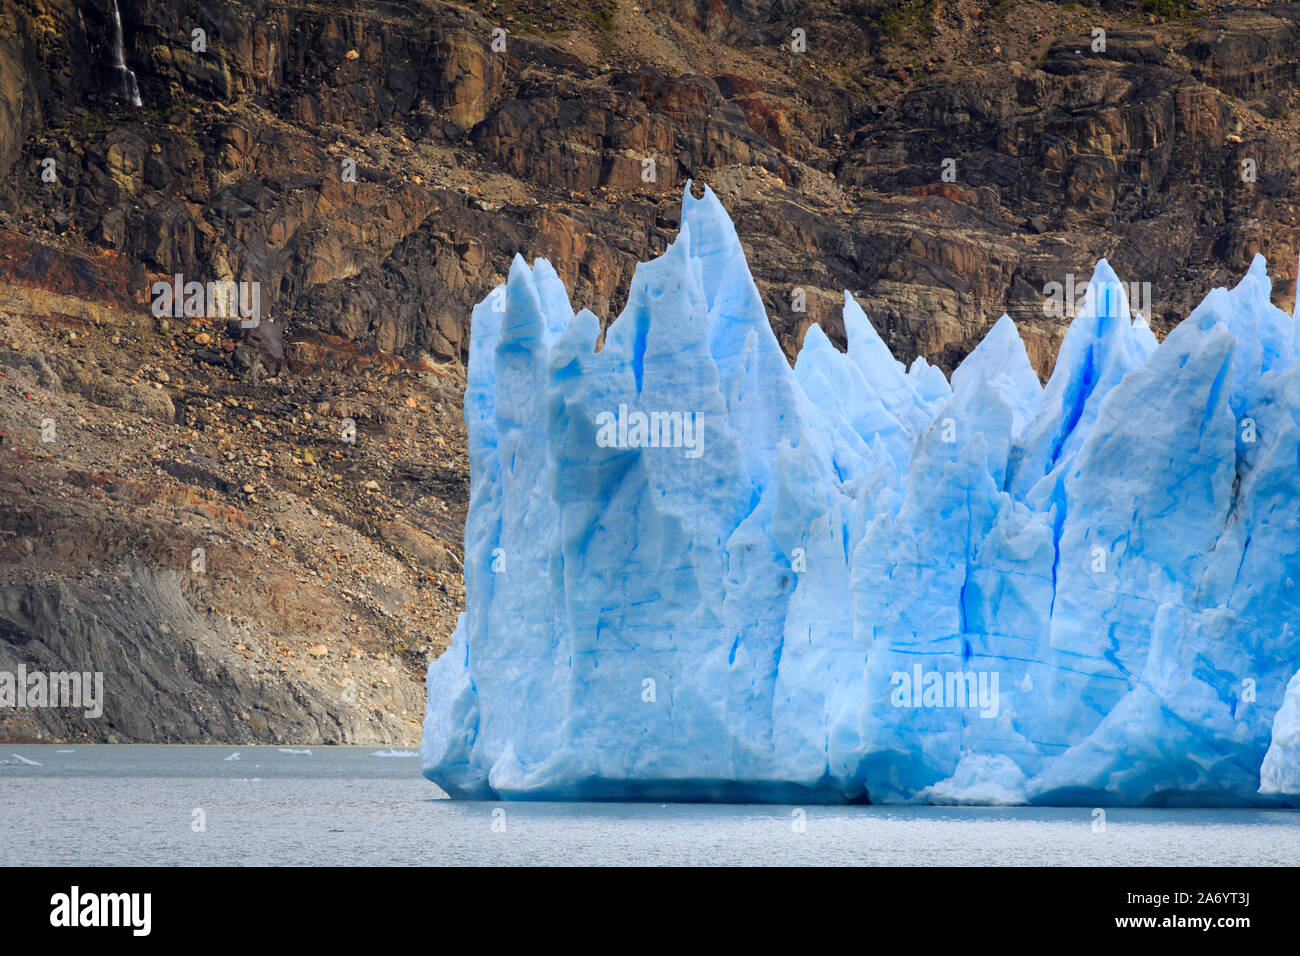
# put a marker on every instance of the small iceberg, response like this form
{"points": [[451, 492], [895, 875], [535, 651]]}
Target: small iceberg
{"points": [[981, 780]]}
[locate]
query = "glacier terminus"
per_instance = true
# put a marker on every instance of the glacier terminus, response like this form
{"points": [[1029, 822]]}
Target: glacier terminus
{"points": [[694, 572]]}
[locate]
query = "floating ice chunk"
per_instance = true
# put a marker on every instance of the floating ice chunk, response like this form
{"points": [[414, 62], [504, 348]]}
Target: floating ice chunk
{"points": [[981, 780]]}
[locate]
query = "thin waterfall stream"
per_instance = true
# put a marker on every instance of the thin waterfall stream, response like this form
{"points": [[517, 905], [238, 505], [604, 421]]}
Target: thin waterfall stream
{"points": [[129, 88]]}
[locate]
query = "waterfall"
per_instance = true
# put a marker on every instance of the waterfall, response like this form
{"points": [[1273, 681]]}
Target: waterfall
{"points": [[129, 88]]}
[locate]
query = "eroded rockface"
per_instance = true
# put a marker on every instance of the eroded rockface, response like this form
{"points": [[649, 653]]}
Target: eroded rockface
{"points": [[235, 563], [165, 668], [831, 158]]}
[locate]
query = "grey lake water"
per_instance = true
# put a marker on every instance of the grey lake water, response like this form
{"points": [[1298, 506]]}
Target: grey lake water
{"points": [[117, 805]]}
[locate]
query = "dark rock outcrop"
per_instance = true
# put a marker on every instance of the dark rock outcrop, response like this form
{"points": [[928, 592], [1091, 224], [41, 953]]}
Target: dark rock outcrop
{"points": [[573, 141]]}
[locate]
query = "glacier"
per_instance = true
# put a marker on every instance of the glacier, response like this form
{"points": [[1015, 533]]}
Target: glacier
{"points": [[694, 572]]}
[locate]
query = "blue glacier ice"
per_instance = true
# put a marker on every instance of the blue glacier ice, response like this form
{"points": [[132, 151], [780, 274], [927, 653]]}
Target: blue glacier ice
{"points": [[696, 572], [1280, 772]]}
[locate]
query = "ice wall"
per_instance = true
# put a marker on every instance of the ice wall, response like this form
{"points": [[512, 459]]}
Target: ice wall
{"points": [[694, 572]]}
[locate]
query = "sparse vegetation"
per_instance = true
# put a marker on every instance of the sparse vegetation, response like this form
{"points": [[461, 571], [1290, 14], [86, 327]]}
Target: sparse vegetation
{"points": [[1168, 9], [906, 20], [601, 15]]}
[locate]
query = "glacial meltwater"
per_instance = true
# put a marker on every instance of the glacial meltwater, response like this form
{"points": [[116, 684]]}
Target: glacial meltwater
{"points": [[153, 805]]}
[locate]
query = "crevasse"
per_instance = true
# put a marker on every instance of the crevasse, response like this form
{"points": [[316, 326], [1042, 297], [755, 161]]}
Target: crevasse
{"points": [[850, 580]]}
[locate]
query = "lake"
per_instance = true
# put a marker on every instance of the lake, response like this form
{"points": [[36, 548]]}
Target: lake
{"points": [[146, 805]]}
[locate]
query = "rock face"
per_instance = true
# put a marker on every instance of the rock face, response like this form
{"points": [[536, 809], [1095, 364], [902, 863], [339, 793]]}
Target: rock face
{"points": [[695, 573], [166, 671], [374, 169], [232, 553], [946, 168]]}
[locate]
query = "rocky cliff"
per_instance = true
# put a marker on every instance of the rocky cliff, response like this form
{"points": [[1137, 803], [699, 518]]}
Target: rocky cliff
{"points": [[374, 166]]}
